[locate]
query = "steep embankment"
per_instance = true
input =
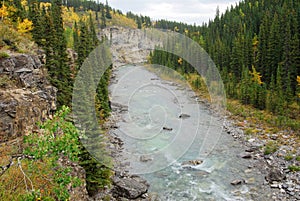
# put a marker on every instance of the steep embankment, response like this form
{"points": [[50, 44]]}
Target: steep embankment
{"points": [[26, 98]]}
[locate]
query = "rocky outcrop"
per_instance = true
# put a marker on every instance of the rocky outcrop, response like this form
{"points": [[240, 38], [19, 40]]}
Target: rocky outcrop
{"points": [[132, 187], [128, 46], [27, 98]]}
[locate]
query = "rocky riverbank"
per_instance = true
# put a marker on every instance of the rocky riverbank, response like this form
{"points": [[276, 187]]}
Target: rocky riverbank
{"points": [[275, 167], [273, 154]]}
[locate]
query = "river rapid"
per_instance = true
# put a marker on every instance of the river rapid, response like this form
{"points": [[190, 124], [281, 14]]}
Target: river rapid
{"points": [[178, 144]]}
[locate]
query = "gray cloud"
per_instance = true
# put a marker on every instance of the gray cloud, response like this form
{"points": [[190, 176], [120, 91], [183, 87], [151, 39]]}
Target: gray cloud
{"points": [[189, 11]]}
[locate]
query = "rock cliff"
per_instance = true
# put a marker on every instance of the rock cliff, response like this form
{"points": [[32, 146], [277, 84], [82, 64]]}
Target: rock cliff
{"points": [[26, 96], [128, 46]]}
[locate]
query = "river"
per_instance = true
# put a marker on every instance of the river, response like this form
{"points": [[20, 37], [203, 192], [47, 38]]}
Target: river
{"points": [[159, 146]]}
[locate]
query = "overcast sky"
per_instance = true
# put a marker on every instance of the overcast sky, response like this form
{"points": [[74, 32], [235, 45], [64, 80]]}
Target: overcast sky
{"points": [[189, 11]]}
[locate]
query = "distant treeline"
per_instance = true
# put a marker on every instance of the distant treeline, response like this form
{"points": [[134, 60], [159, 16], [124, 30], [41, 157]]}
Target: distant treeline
{"points": [[255, 46]]}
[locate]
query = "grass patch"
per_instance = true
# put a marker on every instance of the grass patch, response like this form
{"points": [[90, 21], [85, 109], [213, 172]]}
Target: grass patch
{"points": [[4, 55], [271, 147], [294, 168], [288, 157], [5, 81], [297, 158]]}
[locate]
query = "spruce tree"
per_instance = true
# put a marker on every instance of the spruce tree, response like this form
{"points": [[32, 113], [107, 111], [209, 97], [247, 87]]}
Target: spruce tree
{"points": [[274, 51], [59, 71], [103, 19], [107, 9], [279, 91]]}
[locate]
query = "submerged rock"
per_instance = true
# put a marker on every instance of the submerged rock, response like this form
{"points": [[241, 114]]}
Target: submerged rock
{"points": [[145, 158]]}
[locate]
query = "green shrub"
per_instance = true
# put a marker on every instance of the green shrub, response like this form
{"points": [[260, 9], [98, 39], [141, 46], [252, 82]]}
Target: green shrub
{"points": [[59, 138]]}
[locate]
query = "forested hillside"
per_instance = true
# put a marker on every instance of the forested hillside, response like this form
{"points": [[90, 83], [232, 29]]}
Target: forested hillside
{"points": [[256, 47]]}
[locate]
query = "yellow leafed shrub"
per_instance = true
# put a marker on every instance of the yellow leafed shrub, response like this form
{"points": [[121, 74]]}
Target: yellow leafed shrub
{"points": [[25, 26], [3, 11]]}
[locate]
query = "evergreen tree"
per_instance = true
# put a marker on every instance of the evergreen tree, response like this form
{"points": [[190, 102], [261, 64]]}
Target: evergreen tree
{"points": [[274, 51], [279, 91], [107, 9], [103, 19], [59, 71]]}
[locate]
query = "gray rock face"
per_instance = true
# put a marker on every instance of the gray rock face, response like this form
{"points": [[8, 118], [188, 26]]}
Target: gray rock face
{"points": [[28, 99], [130, 187], [128, 46]]}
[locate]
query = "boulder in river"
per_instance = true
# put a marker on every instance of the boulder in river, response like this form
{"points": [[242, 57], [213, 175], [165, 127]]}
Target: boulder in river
{"points": [[184, 116], [167, 128], [192, 163]]}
